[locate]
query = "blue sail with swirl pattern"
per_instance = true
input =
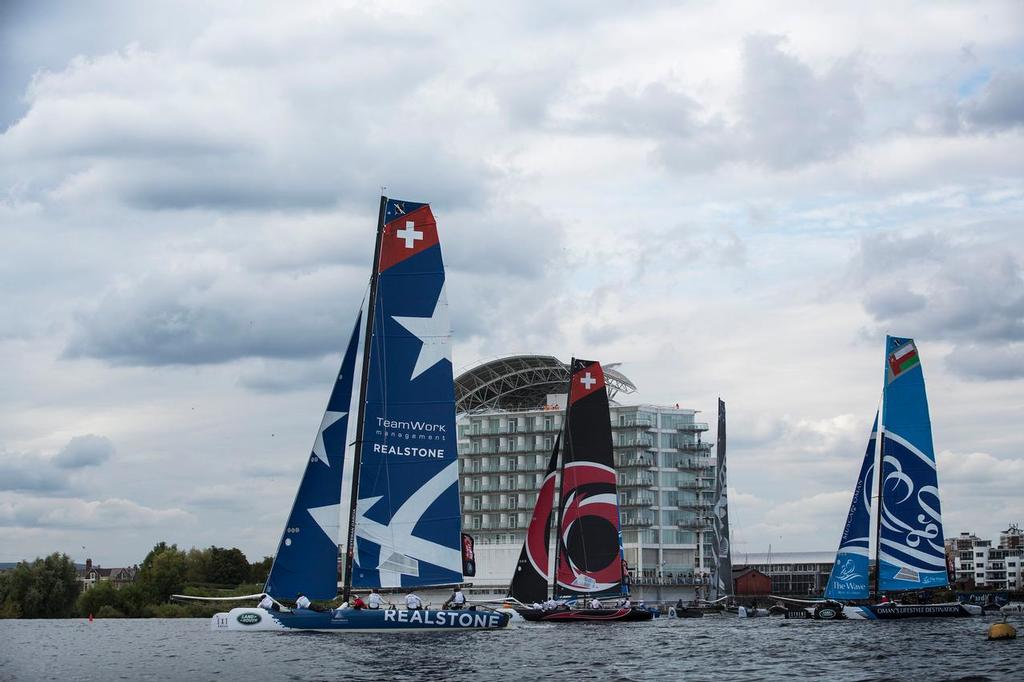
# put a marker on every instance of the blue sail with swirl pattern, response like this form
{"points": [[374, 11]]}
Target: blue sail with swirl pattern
{"points": [[911, 554], [849, 577]]}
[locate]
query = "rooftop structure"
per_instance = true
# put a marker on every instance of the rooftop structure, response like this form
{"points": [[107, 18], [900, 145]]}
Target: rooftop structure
{"points": [[520, 382]]}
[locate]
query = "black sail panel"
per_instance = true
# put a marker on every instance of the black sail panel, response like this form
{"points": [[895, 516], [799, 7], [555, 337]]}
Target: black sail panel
{"points": [[589, 552], [530, 581]]}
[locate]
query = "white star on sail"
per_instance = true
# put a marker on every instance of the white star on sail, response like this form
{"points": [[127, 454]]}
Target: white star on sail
{"points": [[397, 537], [328, 518], [433, 332], [318, 447]]}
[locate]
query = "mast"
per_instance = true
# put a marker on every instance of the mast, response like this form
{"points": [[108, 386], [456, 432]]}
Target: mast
{"points": [[372, 301], [878, 503], [561, 482]]}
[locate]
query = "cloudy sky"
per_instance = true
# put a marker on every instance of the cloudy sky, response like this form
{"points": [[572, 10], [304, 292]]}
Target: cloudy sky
{"points": [[728, 199]]}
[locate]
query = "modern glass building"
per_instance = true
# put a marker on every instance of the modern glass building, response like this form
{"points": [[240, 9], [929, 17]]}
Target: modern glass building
{"points": [[510, 411]]}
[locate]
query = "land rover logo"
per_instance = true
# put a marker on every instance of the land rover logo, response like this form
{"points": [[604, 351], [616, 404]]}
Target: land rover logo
{"points": [[823, 614], [249, 618]]}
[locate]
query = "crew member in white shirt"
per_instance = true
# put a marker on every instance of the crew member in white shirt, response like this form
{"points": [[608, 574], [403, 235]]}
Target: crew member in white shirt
{"points": [[374, 600], [457, 600], [302, 601], [266, 603], [595, 603], [413, 602]]}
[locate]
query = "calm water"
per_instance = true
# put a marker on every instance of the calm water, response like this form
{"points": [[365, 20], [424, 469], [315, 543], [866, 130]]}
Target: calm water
{"points": [[716, 648]]}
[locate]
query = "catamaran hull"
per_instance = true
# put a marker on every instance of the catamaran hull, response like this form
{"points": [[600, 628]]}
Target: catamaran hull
{"points": [[585, 615], [895, 611], [353, 620]]}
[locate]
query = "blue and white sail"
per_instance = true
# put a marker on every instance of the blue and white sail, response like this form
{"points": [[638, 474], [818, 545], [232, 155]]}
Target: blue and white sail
{"points": [[307, 556], [849, 578], [911, 552], [408, 523]]}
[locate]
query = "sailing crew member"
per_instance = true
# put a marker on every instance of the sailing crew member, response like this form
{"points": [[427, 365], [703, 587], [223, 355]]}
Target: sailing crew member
{"points": [[626, 604], [266, 603], [457, 600], [595, 603], [374, 600], [413, 602], [302, 601], [357, 602], [550, 604]]}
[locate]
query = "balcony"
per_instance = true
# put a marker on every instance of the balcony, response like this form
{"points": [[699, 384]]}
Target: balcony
{"points": [[696, 426], [634, 462], [634, 423], [699, 523], [635, 520], [636, 501], [635, 443], [691, 463], [641, 480], [695, 485]]}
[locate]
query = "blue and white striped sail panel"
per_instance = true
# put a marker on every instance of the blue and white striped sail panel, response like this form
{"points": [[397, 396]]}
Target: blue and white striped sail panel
{"points": [[307, 557], [408, 523], [911, 553], [849, 578]]}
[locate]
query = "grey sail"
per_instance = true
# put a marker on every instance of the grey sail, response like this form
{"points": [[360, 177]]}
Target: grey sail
{"points": [[720, 547]]}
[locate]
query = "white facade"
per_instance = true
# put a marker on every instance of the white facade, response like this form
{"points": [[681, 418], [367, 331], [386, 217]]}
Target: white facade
{"points": [[665, 486], [999, 568]]}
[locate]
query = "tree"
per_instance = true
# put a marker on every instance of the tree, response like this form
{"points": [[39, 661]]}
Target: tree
{"points": [[163, 572], [46, 588], [227, 566], [259, 571]]}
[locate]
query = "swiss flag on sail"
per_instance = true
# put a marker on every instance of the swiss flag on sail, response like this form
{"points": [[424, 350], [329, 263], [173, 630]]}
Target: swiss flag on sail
{"points": [[407, 235], [587, 377]]}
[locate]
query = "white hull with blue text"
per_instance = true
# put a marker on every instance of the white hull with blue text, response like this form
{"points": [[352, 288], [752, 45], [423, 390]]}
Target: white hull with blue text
{"points": [[361, 620]]}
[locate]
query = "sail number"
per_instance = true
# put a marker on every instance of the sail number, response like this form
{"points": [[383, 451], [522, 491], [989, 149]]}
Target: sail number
{"points": [[296, 529]]}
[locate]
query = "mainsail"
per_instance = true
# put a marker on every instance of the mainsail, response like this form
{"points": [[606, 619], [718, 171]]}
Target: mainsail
{"points": [[530, 581], [407, 520], [307, 556], [721, 553], [849, 577], [588, 554], [910, 552]]}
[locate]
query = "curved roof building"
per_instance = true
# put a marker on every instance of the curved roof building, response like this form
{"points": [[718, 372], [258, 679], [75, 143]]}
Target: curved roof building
{"points": [[519, 382]]}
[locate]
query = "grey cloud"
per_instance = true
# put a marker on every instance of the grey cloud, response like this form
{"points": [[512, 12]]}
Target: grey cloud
{"points": [[84, 451], [976, 361], [793, 115], [213, 319], [931, 287], [787, 114], [26, 473], [999, 105]]}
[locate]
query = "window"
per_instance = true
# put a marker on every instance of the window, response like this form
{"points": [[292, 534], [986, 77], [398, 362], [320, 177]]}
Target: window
{"points": [[475, 449], [513, 425], [548, 442], [549, 423]]}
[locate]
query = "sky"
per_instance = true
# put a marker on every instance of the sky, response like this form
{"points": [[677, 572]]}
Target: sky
{"points": [[730, 199]]}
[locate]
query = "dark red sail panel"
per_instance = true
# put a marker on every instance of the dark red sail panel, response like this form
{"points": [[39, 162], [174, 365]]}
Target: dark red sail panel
{"points": [[530, 581], [406, 235], [589, 554]]}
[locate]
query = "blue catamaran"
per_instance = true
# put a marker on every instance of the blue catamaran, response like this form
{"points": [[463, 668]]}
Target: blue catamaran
{"points": [[907, 543], [404, 529]]}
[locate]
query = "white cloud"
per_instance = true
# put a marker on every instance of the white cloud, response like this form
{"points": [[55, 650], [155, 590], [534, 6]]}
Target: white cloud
{"points": [[110, 513]]}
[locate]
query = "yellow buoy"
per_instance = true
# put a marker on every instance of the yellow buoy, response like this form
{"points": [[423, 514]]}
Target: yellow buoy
{"points": [[1002, 631]]}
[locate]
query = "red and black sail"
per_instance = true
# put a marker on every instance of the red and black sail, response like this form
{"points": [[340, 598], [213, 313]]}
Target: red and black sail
{"points": [[530, 581], [588, 553]]}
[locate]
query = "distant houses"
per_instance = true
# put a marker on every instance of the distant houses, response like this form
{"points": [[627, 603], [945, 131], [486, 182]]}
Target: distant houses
{"points": [[90, 575]]}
